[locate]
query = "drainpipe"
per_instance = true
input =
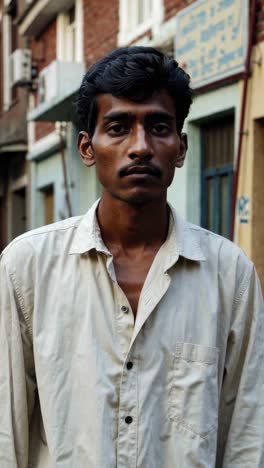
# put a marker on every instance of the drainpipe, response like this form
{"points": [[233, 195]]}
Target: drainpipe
{"points": [[242, 113], [64, 168]]}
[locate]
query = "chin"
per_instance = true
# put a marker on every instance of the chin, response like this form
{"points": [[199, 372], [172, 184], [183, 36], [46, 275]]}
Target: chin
{"points": [[140, 198]]}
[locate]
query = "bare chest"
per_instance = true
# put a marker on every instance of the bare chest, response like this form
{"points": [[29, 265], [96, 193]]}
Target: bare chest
{"points": [[131, 275]]}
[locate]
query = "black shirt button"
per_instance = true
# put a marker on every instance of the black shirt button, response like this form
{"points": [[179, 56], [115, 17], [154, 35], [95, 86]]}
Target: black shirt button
{"points": [[125, 309], [128, 419], [129, 365]]}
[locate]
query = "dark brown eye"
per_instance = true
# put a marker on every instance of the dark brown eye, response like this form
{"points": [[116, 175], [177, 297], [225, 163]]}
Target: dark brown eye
{"points": [[117, 129], [160, 129]]}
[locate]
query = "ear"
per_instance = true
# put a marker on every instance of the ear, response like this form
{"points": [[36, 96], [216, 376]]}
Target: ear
{"points": [[85, 149], [183, 149]]}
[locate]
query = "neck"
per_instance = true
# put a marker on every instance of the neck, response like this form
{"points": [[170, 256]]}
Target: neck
{"points": [[131, 226]]}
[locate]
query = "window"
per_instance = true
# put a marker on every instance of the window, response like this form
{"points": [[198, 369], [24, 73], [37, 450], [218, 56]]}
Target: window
{"points": [[217, 139], [137, 17], [69, 34]]}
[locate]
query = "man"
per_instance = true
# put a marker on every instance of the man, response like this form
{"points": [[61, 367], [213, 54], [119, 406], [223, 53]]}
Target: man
{"points": [[130, 338]]}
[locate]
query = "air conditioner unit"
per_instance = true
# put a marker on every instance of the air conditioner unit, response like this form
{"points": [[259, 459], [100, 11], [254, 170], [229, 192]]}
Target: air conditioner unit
{"points": [[20, 67], [47, 86], [59, 79]]}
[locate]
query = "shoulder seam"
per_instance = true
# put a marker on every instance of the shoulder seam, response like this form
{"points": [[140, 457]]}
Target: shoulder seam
{"points": [[29, 235], [195, 227]]}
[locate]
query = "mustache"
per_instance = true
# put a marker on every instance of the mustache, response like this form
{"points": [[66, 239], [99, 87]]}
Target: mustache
{"points": [[149, 167]]}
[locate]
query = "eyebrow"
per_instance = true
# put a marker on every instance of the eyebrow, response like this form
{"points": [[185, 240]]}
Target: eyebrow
{"points": [[129, 116]]}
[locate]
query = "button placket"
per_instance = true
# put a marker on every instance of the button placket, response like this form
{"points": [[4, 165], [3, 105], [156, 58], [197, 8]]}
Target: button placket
{"points": [[127, 433], [128, 419], [125, 309], [124, 320], [148, 302]]}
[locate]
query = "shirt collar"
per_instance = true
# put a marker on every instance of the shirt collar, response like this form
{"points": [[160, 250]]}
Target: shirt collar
{"points": [[182, 240], [88, 234]]}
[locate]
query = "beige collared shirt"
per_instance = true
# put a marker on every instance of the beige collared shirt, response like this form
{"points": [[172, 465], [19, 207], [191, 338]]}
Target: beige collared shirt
{"points": [[83, 386]]}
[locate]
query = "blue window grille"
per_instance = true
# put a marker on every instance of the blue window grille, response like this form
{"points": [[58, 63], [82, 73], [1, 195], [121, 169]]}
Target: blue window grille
{"points": [[217, 139]]}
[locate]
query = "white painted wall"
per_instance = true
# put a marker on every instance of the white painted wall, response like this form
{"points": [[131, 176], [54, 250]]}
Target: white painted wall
{"points": [[86, 186]]}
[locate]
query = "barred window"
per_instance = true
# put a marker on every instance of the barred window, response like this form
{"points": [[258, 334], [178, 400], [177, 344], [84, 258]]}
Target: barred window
{"points": [[217, 138], [137, 16]]}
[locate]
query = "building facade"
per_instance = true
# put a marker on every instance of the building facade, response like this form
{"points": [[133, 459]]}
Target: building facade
{"points": [[59, 187], [225, 157], [14, 181]]}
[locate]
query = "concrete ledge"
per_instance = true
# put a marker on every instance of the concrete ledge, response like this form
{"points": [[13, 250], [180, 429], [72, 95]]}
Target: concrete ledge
{"points": [[59, 109], [39, 14], [44, 147]]}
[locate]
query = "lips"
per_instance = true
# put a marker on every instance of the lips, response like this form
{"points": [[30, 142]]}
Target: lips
{"points": [[142, 170]]}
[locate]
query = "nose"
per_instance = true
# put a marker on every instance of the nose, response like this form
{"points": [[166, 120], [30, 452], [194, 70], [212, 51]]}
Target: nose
{"points": [[140, 147]]}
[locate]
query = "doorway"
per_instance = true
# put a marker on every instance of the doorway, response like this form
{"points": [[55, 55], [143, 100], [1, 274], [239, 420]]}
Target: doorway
{"points": [[18, 216]]}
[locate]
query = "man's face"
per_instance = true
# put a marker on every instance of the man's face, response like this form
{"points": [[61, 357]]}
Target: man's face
{"points": [[135, 147]]}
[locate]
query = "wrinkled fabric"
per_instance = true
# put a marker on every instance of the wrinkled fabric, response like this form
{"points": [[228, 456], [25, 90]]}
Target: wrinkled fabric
{"points": [[192, 395]]}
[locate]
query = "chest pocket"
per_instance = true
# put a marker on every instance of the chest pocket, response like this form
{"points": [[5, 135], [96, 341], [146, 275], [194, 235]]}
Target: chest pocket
{"points": [[193, 399]]}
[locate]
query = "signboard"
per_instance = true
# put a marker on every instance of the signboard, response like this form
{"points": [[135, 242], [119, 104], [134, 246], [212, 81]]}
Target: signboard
{"points": [[211, 39]]}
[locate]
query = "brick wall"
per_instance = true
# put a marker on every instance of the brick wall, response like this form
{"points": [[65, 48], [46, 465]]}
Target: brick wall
{"points": [[42, 129], [44, 48], [100, 36], [172, 7], [101, 25], [12, 121], [101, 22], [44, 52]]}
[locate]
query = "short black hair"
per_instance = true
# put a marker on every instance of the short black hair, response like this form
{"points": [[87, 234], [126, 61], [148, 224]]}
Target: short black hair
{"points": [[134, 73]]}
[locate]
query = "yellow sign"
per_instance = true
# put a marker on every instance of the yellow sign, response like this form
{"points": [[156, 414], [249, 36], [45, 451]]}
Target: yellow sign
{"points": [[211, 39]]}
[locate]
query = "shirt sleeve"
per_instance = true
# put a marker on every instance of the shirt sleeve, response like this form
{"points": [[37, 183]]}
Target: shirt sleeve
{"points": [[241, 416], [17, 382]]}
